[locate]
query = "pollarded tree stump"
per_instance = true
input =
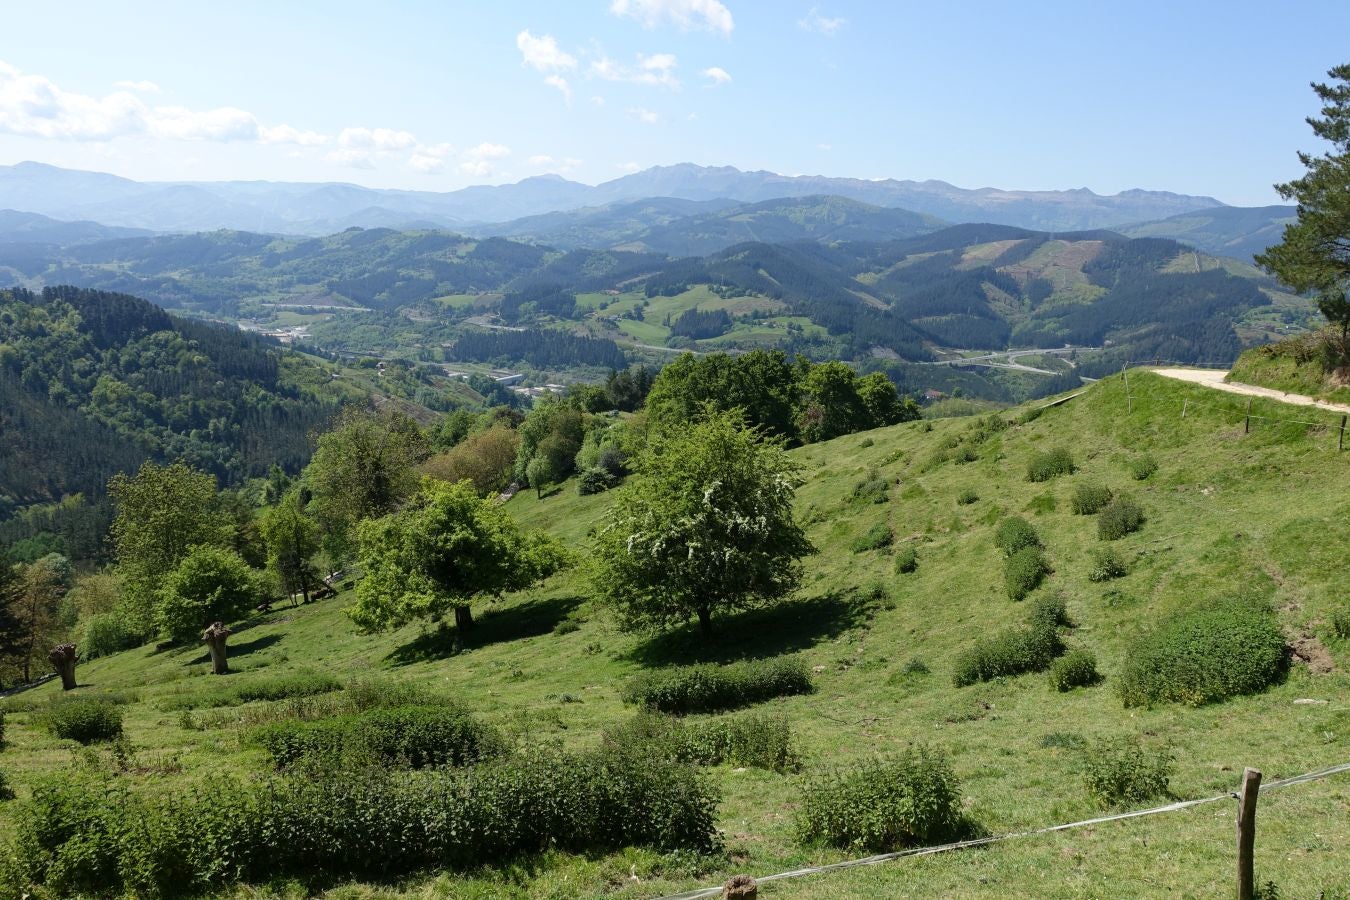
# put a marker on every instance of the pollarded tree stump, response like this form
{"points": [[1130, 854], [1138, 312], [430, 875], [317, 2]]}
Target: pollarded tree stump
{"points": [[215, 642], [740, 887], [63, 657]]}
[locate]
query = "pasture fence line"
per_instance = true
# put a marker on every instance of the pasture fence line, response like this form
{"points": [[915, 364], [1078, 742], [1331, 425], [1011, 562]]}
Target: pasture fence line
{"points": [[1251, 788]]}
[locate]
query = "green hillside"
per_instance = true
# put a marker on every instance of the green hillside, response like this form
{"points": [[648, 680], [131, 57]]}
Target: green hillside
{"points": [[1227, 514], [1303, 364]]}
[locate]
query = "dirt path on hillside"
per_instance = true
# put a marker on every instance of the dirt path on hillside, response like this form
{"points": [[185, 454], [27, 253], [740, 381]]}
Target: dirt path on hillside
{"points": [[1214, 378]]}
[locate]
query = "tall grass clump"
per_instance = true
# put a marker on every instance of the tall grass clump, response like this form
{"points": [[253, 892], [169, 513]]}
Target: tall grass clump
{"points": [[906, 560], [1124, 772], [97, 835], [1142, 467], [1014, 533], [1014, 651], [1205, 655], [1119, 518], [1077, 668], [753, 740], [84, 719], [1050, 464], [1340, 622], [1024, 571], [874, 538], [712, 688], [234, 693], [413, 736], [1106, 565], [908, 800], [873, 489], [1089, 497]]}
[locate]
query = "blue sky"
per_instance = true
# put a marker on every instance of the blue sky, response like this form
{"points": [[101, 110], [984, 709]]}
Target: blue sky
{"points": [[1194, 97]]}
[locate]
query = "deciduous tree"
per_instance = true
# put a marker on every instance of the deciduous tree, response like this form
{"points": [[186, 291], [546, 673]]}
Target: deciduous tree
{"points": [[211, 584]]}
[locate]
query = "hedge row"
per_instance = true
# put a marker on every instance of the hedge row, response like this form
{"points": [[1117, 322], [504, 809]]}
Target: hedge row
{"points": [[758, 741], [413, 736], [91, 834], [711, 688]]}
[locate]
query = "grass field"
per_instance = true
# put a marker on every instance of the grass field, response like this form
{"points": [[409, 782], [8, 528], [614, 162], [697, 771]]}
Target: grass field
{"points": [[1227, 512]]}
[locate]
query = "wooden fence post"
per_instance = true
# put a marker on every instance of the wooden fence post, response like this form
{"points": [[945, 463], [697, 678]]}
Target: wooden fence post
{"points": [[1340, 441], [1246, 833], [1247, 423], [1184, 404], [1129, 400]]}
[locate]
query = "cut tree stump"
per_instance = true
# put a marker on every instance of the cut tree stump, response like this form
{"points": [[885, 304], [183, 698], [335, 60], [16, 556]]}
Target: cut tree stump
{"points": [[63, 657], [215, 642]]}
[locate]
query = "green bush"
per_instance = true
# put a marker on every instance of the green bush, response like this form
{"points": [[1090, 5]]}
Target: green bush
{"points": [[1050, 464], [105, 634], [1206, 655], [1014, 533], [967, 497], [95, 835], [1049, 611], [906, 560], [2, 729], [1141, 467], [412, 736], [6, 792], [1024, 571], [1340, 622], [1011, 652], [711, 688], [1119, 518], [1077, 668], [567, 626], [83, 719], [233, 693], [1089, 497], [1123, 772], [1106, 565], [757, 741], [595, 481], [910, 800], [873, 489], [875, 538]]}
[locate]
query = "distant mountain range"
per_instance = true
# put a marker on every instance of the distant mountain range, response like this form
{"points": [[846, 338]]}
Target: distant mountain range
{"points": [[323, 208], [32, 228], [1239, 232]]}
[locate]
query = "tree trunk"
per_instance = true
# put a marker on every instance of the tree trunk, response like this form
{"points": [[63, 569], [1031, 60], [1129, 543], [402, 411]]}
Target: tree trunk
{"points": [[215, 638], [705, 621], [63, 658], [463, 618]]}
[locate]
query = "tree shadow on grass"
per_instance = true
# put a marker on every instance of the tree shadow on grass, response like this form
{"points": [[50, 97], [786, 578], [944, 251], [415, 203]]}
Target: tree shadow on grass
{"points": [[242, 648], [494, 625], [758, 633]]}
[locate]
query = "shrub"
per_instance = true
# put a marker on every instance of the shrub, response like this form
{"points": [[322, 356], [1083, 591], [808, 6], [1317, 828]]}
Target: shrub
{"points": [[758, 741], [711, 688], [1011, 652], [1119, 518], [2, 729], [967, 497], [1050, 464], [873, 489], [1078, 668], [1089, 497], [595, 481], [107, 633], [1141, 467], [413, 736], [84, 719], [86, 834], [965, 455], [906, 560], [6, 792], [1024, 571], [1122, 771], [1050, 611], [566, 626], [276, 687], [874, 538], [1340, 622], [1014, 533], [1205, 655], [1106, 564], [912, 799]]}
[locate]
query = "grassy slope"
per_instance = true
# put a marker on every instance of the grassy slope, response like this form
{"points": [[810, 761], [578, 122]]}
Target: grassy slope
{"points": [[1295, 365], [1226, 511]]}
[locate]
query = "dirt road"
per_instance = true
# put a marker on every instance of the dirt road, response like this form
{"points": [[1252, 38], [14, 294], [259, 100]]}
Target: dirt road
{"points": [[1214, 378]]}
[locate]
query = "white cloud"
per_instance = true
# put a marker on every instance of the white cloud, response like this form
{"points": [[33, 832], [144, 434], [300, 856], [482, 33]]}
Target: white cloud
{"points": [[382, 140], [541, 161], [543, 53], [629, 167], [598, 100], [140, 87], [429, 159], [824, 147], [643, 115], [814, 21], [478, 168], [716, 76], [548, 163], [487, 151], [657, 70], [710, 15], [559, 82], [34, 106], [357, 159]]}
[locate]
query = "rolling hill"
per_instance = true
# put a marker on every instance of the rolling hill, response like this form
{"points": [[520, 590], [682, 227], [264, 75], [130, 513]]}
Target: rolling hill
{"points": [[1237, 232]]}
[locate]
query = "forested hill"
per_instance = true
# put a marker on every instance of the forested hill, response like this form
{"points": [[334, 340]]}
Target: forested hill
{"points": [[94, 383]]}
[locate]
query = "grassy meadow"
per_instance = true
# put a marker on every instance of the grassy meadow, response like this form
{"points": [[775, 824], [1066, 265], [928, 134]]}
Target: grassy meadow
{"points": [[1227, 513]]}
